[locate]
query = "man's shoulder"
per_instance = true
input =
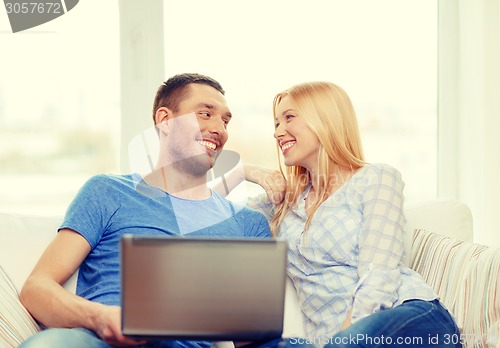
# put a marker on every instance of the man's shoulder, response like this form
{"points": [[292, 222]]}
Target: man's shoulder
{"points": [[252, 222], [239, 208], [107, 184], [111, 179]]}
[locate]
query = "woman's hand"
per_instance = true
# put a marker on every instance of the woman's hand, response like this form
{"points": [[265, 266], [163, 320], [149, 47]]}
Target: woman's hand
{"points": [[347, 321], [272, 181]]}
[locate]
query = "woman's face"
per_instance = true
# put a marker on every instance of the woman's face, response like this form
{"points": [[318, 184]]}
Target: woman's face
{"points": [[296, 140]]}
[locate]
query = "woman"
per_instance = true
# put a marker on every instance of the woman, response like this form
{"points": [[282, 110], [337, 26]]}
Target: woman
{"points": [[343, 219]]}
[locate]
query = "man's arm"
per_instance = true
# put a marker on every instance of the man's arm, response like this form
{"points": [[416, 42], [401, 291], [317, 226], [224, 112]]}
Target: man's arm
{"points": [[43, 294], [46, 299]]}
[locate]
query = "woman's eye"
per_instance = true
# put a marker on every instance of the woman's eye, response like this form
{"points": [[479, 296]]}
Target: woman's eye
{"points": [[289, 117]]}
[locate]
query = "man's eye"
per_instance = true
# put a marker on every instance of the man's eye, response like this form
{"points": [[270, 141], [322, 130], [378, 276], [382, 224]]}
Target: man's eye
{"points": [[204, 114]]}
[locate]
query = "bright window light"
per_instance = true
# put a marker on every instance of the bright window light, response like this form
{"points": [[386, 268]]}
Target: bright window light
{"points": [[383, 53]]}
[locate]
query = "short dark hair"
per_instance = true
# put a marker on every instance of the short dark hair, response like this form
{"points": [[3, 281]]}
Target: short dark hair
{"points": [[175, 89]]}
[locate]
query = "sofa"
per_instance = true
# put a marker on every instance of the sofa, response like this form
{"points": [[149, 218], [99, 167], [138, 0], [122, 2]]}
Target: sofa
{"points": [[438, 243]]}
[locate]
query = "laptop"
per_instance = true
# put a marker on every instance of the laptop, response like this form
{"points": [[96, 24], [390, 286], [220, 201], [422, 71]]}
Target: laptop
{"points": [[202, 289]]}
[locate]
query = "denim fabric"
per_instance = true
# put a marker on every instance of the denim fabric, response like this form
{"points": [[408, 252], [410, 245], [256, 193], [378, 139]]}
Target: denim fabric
{"points": [[414, 323], [59, 338], [82, 338]]}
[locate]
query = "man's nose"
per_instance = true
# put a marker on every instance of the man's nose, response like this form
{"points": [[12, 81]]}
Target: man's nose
{"points": [[217, 125]]}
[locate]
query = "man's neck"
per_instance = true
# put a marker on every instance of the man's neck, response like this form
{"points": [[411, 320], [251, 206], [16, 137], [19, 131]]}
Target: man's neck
{"points": [[178, 184]]}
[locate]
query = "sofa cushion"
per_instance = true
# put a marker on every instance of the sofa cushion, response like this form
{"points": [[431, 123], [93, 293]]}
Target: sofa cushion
{"points": [[16, 324], [467, 278]]}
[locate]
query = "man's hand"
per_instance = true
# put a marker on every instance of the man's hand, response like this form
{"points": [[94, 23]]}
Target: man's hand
{"points": [[107, 325]]}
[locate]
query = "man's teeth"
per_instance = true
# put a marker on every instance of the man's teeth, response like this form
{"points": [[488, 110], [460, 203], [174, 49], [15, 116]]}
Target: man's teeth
{"points": [[208, 144], [287, 145]]}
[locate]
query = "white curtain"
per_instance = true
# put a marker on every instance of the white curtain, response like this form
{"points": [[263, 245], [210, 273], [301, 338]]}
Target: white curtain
{"points": [[469, 110]]}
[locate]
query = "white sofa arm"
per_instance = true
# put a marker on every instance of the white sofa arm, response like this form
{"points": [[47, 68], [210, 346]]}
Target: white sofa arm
{"points": [[446, 216], [23, 238]]}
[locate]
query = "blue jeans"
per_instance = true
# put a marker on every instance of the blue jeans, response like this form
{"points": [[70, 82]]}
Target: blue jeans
{"points": [[82, 338], [414, 323]]}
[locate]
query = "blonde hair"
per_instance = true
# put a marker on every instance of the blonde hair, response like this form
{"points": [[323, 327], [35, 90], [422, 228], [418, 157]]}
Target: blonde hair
{"points": [[327, 110]]}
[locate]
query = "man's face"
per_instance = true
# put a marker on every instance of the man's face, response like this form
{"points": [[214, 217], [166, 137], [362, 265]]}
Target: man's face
{"points": [[197, 132]]}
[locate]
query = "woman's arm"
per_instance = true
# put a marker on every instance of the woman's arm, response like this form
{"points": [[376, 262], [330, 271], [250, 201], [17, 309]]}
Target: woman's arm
{"points": [[381, 244], [272, 181]]}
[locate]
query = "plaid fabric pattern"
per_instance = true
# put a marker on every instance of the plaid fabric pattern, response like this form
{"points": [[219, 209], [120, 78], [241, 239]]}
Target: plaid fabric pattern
{"points": [[350, 256]]}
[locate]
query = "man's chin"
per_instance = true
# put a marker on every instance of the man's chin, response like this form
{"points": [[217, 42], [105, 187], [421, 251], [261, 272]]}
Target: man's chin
{"points": [[207, 162], [213, 157]]}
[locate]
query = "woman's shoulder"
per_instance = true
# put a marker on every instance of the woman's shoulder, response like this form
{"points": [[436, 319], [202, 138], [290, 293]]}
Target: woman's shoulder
{"points": [[377, 172], [381, 168]]}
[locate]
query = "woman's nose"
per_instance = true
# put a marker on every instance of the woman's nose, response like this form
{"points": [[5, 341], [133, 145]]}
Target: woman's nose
{"points": [[279, 131]]}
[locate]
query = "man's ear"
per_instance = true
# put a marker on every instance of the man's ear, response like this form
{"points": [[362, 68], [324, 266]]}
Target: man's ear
{"points": [[162, 116]]}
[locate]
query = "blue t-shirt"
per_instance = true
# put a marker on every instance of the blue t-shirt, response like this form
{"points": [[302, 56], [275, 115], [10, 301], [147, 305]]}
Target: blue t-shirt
{"points": [[109, 206]]}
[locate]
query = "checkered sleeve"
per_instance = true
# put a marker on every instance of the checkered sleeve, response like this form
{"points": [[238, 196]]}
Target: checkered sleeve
{"points": [[381, 245]]}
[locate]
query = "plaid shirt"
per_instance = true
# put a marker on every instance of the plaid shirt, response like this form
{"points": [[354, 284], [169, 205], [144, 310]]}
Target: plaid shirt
{"points": [[350, 256]]}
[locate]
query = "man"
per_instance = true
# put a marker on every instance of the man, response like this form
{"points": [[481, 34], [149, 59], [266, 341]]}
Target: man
{"points": [[191, 115]]}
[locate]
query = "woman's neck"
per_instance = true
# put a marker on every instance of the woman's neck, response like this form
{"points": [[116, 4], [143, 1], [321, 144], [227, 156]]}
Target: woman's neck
{"points": [[338, 176]]}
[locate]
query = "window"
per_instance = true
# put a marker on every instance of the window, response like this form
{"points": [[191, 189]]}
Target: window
{"points": [[383, 53], [59, 107], [60, 85]]}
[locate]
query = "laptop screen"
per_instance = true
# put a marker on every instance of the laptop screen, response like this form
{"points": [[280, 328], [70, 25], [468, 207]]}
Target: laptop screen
{"points": [[207, 289]]}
